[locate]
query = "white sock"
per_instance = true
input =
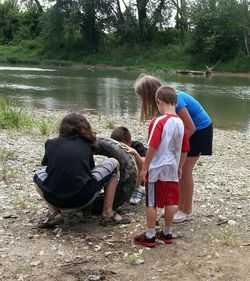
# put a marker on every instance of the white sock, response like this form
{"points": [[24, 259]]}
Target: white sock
{"points": [[150, 233], [167, 230]]}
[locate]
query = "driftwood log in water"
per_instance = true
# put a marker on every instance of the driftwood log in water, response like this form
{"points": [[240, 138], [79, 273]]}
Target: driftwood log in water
{"points": [[195, 72], [205, 73]]}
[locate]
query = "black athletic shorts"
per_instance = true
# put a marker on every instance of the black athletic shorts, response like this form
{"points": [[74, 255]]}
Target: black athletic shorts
{"points": [[201, 142]]}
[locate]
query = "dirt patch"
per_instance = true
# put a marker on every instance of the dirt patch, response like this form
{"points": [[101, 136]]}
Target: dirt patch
{"points": [[214, 246]]}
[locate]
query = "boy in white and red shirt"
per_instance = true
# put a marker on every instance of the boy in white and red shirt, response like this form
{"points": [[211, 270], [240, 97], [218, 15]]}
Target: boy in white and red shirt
{"points": [[167, 149]]}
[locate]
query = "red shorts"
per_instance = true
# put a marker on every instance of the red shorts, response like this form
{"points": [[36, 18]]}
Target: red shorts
{"points": [[162, 193]]}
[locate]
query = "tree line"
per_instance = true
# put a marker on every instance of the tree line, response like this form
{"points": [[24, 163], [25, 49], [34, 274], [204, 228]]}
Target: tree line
{"points": [[211, 30]]}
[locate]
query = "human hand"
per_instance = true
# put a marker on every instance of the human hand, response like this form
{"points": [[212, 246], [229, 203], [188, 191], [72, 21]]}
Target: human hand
{"points": [[143, 175], [179, 173], [129, 149]]}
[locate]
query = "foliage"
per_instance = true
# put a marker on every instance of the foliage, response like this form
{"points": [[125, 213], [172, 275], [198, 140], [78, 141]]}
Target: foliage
{"points": [[7, 173], [110, 124], [217, 32], [9, 21], [135, 259], [206, 31], [227, 236]]}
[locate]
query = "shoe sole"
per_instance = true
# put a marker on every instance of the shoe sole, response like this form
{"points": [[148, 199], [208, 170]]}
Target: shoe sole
{"points": [[145, 244], [135, 203], [181, 221], [114, 222], [50, 225], [166, 241]]}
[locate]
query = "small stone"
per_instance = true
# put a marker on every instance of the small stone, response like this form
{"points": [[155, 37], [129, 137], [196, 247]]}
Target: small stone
{"points": [[60, 253], [221, 218], [204, 254], [94, 277], [35, 263], [97, 248], [232, 222], [106, 254]]}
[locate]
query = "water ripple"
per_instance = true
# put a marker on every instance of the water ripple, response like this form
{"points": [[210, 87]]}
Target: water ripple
{"points": [[24, 87], [25, 68]]}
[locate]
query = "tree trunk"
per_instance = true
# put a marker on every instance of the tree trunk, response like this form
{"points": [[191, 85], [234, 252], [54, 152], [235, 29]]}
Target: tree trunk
{"points": [[89, 22], [40, 8], [247, 40], [142, 18]]}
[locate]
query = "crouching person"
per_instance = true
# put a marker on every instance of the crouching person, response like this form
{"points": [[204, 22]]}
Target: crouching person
{"points": [[71, 179]]}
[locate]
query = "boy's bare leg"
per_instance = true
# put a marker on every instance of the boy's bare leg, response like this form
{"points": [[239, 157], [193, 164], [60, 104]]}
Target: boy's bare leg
{"points": [[151, 217], [109, 195], [169, 215], [187, 185]]}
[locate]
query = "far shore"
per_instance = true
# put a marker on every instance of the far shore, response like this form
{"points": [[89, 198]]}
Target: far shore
{"points": [[80, 66]]}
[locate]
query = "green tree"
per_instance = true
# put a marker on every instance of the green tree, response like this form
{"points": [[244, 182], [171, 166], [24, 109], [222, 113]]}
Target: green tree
{"points": [[245, 21], [9, 21], [29, 27], [119, 23], [217, 30], [181, 18], [152, 14]]}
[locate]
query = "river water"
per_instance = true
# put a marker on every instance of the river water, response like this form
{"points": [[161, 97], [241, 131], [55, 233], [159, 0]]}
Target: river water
{"points": [[110, 91]]}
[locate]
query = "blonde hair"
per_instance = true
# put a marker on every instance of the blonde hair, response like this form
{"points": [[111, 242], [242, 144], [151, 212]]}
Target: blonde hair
{"points": [[146, 87]]}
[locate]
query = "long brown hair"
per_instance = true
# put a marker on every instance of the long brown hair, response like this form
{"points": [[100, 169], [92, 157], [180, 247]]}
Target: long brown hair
{"points": [[75, 125], [146, 87]]}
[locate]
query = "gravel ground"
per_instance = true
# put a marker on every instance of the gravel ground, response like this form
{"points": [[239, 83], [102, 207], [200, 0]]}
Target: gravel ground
{"points": [[215, 245]]}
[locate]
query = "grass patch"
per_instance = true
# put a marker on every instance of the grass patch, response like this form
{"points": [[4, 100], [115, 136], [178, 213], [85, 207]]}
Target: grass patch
{"points": [[46, 126], [110, 124], [227, 236], [12, 116], [7, 172]]}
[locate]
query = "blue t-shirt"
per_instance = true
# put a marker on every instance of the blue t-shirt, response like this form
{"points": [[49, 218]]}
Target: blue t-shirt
{"points": [[199, 116]]}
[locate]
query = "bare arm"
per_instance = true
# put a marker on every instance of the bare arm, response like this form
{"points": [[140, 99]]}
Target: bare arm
{"points": [[182, 161], [138, 159], [149, 156], [187, 120]]}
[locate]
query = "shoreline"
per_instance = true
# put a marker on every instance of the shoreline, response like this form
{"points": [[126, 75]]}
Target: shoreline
{"points": [[81, 66]]}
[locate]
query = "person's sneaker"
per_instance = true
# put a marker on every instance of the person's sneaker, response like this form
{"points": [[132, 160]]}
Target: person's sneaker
{"points": [[137, 196], [167, 239], [52, 221], [179, 217], [142, 239]]}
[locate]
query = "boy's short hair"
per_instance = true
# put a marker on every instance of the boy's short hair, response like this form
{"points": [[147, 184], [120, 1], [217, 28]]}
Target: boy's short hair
{"points": [[167, 95], [121, 134]]}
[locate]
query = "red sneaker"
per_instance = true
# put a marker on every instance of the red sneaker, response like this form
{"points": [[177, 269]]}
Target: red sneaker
{"points": [[142, 239], [167, 239]]}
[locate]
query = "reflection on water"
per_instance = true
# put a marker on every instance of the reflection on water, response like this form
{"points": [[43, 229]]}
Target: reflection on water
{"points": [[20, 68], [23, 87], [109, 91]]}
